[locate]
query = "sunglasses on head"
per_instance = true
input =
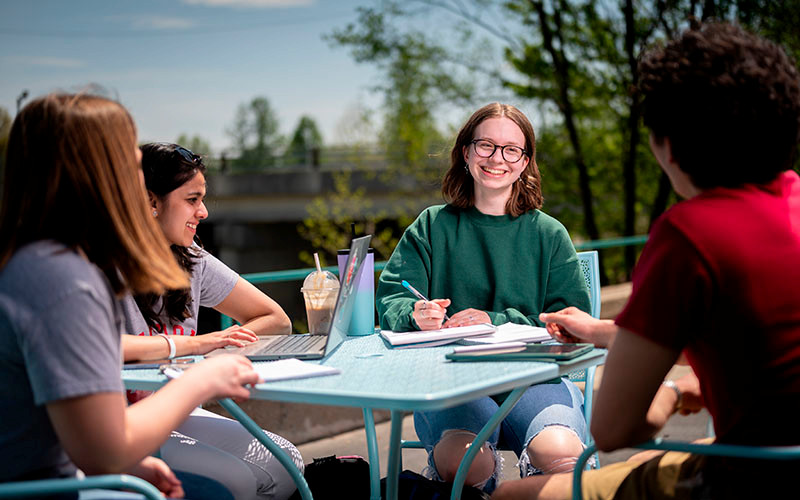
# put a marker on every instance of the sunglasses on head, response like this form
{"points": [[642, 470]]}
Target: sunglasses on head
{"points": [[188, 155]]}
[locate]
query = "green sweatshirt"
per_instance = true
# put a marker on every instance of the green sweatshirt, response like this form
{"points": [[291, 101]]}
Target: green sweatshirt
{"points": [[511, 267]]}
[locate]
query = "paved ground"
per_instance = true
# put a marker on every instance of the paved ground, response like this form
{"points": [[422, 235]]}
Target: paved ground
{"points": [[354, 442]]}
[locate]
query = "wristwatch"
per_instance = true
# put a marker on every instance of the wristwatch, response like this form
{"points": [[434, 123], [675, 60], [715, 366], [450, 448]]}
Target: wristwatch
{"points": [[672, 385]]}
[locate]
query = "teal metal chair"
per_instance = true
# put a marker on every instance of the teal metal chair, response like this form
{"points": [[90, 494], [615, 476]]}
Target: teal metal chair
{"points": [[42, 487], [590, 266], [719, 450]]}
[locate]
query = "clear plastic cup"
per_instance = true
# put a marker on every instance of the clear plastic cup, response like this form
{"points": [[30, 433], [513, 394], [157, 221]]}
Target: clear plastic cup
{"points": [[320, 289]]}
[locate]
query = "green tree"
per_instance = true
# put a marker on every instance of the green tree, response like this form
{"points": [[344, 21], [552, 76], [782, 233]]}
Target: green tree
{"points": [[577, 59], [306, 142], [255, 134], [409, 138], [330, 217], [413, 89], [199, 146], [195, 143]]}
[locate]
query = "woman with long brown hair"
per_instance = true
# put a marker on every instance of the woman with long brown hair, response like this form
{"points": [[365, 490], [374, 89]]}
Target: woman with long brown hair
{"points": [[490, 256], [75, 234]]}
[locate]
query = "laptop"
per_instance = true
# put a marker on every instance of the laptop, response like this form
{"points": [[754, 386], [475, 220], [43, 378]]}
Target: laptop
{"points": [[308, 346]]}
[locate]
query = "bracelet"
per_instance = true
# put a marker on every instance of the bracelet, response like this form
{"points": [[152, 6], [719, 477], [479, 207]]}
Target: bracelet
{"points": [[171, 345], [672, 385]]}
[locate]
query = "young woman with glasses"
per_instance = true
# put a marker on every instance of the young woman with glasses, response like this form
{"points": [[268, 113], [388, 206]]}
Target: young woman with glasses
{"points": [[490, 256], [75, 234], [165, 325]]}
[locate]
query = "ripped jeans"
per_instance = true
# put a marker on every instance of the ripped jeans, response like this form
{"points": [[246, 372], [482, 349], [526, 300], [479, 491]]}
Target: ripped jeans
{"points": [[542, 405]]}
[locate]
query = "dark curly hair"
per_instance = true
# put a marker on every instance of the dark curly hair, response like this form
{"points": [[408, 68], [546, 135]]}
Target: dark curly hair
{"points": [[167, 167], [728, 101]]}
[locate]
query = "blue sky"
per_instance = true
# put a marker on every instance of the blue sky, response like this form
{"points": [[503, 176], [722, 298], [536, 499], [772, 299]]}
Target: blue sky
{"points": [[183, 66]]}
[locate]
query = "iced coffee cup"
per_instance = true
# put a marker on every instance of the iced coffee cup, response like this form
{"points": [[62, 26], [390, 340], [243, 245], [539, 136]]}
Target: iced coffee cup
{"points": [[320, 289]]}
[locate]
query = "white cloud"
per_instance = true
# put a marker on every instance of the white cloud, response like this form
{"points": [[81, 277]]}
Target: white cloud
{"points": [[48, 62], [257, 4]]}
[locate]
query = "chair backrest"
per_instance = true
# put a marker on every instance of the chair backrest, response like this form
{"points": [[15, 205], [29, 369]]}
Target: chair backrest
{"points": [[590, 265], [43, 487], [719, 450]]}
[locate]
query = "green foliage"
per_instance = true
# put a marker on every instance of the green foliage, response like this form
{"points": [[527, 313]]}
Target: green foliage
{"points": [[334, 217], [576, 60], [255, 134], [414, 87], [413, 90], [199, 146], [305, 140]]}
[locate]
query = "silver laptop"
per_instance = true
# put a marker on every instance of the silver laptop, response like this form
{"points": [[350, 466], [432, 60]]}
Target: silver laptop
{"points": [[307, 346]]}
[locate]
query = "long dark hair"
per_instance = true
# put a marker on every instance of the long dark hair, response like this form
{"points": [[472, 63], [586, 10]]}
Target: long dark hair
{"points": [[71, 175], [167, 167]]}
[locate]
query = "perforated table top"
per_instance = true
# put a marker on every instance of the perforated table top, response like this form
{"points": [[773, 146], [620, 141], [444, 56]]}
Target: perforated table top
{"points": [[376, 376]]}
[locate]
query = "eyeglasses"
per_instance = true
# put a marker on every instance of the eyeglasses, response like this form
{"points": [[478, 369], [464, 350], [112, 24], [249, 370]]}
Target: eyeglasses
{"points": [[188, 155], [485, 149]]}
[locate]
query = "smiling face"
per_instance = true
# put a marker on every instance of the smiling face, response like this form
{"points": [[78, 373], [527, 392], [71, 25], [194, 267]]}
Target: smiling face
{"points": [[181, 210], [495, 175]]}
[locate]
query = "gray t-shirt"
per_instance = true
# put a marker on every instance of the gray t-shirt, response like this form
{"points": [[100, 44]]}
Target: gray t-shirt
{"points": [[211, 282], [59, 338]]}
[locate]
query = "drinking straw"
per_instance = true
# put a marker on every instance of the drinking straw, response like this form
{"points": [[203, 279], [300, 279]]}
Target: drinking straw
{"points": [[316, 261]]}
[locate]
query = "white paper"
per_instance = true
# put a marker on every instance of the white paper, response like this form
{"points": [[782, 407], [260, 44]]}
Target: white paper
{"points": [[286, 369], [427, 344], [511, 332], [429, 336]]}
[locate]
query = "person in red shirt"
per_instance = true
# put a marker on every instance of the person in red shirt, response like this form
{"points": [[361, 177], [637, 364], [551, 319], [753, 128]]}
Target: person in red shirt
{"points": [[717, 280]]}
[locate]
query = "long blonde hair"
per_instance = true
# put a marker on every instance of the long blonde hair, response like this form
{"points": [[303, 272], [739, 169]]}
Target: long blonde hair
{"points": [[72, 176]]}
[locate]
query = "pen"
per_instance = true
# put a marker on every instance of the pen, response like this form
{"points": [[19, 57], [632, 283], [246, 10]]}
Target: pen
{"points": [[420, 296]]}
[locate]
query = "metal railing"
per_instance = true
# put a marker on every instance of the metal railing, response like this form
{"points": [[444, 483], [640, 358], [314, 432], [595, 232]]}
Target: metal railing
{"points": [[300, 274]]}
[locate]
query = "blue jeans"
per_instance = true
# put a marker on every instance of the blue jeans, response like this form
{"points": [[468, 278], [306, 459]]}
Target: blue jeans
{"points": [[542, 405]]}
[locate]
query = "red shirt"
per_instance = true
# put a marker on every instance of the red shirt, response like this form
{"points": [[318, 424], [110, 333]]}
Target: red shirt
{"points": [[720, 279]]}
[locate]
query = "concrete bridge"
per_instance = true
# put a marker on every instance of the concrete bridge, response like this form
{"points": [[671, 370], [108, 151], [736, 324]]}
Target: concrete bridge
{"points": [[254, 216]]}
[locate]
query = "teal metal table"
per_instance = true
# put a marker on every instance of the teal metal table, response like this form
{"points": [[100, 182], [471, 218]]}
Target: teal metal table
{"points": [[375, 376]]}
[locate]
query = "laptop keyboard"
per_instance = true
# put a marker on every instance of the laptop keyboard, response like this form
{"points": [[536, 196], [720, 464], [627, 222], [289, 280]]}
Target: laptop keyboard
{"points": [[294, 343]]}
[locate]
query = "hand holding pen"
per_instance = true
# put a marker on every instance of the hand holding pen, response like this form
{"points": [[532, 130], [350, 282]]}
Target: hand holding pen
{"points": [[428, 314]]}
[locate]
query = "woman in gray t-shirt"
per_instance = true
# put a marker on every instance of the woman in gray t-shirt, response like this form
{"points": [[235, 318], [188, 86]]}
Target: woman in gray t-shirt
{"points": [[74, 234], [166, 325]]}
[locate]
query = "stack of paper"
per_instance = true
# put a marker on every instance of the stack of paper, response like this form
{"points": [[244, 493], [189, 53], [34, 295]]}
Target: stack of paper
{"points": [[435, 337], [286, 369], [511, 332]]}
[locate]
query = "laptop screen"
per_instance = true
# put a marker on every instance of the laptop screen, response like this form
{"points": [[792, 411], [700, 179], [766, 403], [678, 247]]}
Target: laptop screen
{"points": [[343, 312]]}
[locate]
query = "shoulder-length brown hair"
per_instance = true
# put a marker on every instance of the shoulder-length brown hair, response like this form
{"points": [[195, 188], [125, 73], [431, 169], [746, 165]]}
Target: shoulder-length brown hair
{"points": [[72, 176], [458, 188]]}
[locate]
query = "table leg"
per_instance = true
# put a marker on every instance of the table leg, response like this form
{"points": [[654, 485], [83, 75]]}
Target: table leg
{"points": [[276, 450], [483, 435], [372, 453], [393, 467]]}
